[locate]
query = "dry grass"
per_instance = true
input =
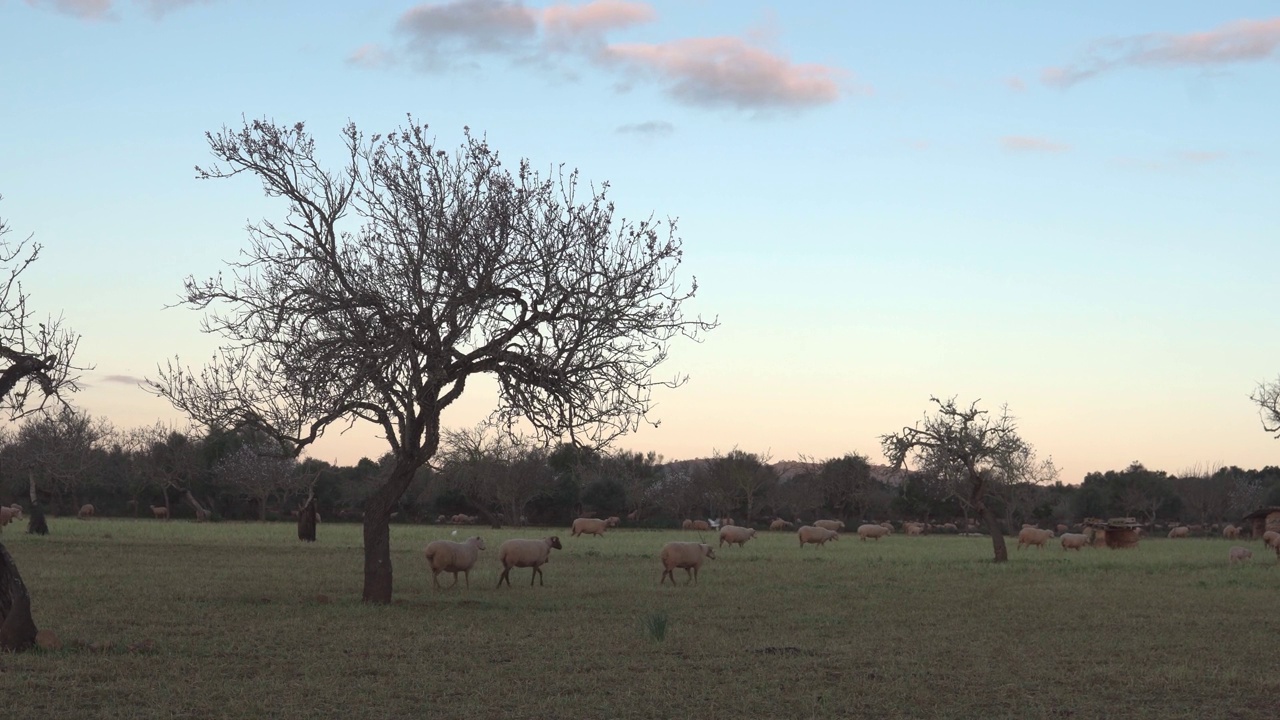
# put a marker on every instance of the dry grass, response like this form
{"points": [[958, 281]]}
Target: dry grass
{"points": [[919, 627]]}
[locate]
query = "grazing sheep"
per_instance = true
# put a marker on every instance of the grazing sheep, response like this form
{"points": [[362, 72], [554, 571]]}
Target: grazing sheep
{"points": [[612, 521], [735, 535], [810, 535], [950, 527], [836, 525], [160, 512], [1061, 528], [780, 524], [913, 528], [701, 525], [9, 514], [1033, 536], [875, 532], [589, 526], [1180, 532], [86, 512], [1231, 532], [686, 525], [1271, 539], [687, 555], [887, 526], [1239, 554], [1074, 541], [445, 556], [526, 553]]}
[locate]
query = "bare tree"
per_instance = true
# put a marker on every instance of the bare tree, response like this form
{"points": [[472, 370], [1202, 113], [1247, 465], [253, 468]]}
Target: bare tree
{"points": [[493, 468], [640, 475], [35, 357], [259, 472], [56, 452], [965, 443], [393, 281]]}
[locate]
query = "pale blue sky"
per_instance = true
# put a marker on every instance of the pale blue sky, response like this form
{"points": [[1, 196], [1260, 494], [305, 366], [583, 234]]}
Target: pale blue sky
{"points": [[1070, 210]]}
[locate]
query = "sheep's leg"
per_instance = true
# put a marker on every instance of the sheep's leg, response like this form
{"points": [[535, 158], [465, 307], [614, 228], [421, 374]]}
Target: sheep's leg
{"points": [[467, 575], [688, 576], [435, 578], [455, 580], [506, 575]]}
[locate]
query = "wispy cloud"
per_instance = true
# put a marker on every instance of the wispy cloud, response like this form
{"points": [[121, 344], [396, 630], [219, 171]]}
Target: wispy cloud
{"points": [[1015, 84], [82, 9], [1233, 42], [722, 71], [1027, 143], [729, 71], [651, 128], [370, 56], [1201, 157], [105, 9], [122, 379]]}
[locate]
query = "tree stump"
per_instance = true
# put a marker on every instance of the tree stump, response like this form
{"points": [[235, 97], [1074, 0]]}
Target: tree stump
{"points": [[17, 629]]}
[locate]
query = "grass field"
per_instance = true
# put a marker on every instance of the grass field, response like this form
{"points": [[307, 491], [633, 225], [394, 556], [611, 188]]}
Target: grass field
{"points": [[907, 627]]}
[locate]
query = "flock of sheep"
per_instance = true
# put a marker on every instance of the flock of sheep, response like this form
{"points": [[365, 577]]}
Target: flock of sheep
{"points": [[460, 557]]}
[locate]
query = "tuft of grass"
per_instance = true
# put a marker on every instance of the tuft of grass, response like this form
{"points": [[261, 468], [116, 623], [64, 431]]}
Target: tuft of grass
{"points": [[655, 625]]}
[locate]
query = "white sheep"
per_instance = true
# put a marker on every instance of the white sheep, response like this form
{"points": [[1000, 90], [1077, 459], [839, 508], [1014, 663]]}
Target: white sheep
{"points": [[687, 555], [1074, 541], [1028, 536], [836, 525], [9, 514], [446, 556], [1271, 539], [86, 512], [160, 512], [1239, 554], [780, 524], [913, 528], [809, 534], [735, 535], [589, 526], [1231, 532], [1180, 532], [526, 553], [875, 532]]}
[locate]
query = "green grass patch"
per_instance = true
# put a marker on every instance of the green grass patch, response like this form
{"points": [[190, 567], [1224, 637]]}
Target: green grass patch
{"points": [[240, 620]]}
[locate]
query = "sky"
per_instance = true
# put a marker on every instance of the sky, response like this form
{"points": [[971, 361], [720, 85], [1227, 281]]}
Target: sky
{"points": [[1068, 209]]}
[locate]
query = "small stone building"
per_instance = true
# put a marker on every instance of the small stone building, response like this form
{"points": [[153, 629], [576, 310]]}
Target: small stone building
{"points": [[1262, 520], [1116, 533]]}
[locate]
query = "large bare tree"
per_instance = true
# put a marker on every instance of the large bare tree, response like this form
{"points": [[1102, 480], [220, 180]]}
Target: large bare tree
{"points": [[392, 281], [969, 446], [35, 357]]}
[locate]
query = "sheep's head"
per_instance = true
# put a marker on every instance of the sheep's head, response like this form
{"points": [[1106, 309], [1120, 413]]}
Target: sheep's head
{"points": [[709, 551], [478, 542], [555, 542]]}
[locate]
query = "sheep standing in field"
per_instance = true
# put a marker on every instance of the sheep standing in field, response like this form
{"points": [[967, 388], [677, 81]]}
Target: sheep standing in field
{"points": [[887, 526], [687, 555], [810, 535], [1271, 539], [1061, 528], [86, 512], [160, 512], [735, 535], [452, 557], [589, 526], [700, 525], [612, 521], [913, 528], [780, 524], [836, 525], [1074, 541], [875, 532], [1181, 531], [9, 514], [686, 524], [1231, 532], [1028, 536], [1239, 554], [526, 553]]}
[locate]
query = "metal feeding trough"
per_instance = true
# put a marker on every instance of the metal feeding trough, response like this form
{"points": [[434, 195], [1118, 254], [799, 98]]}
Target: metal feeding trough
{"points": [[1114, 533]]}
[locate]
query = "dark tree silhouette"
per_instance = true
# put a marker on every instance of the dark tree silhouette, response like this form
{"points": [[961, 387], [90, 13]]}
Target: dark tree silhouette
{"points": [[392, 282], [307, 520], [970, 447]]}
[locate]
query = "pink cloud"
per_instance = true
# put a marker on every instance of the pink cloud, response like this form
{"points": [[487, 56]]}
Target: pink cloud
{"points": [[83, 9], [159, 8], [596, 18], [729, 71], [1027, 143], [1232, 42], [1015, 84]]}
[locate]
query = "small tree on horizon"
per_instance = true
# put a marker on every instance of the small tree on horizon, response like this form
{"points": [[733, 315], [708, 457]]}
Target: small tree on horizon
{"points": [[969, 446], [392, 282]]}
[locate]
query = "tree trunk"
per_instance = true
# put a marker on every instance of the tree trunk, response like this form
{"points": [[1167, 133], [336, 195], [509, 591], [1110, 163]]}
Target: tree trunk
{"points": [[997, 537], [17, 629], [307, 521], [377, 531], [37, 524], [262, 509], [201, 513]]}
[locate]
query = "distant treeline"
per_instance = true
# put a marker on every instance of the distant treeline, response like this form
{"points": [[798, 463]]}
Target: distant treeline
{"points": [[70, 459]]}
